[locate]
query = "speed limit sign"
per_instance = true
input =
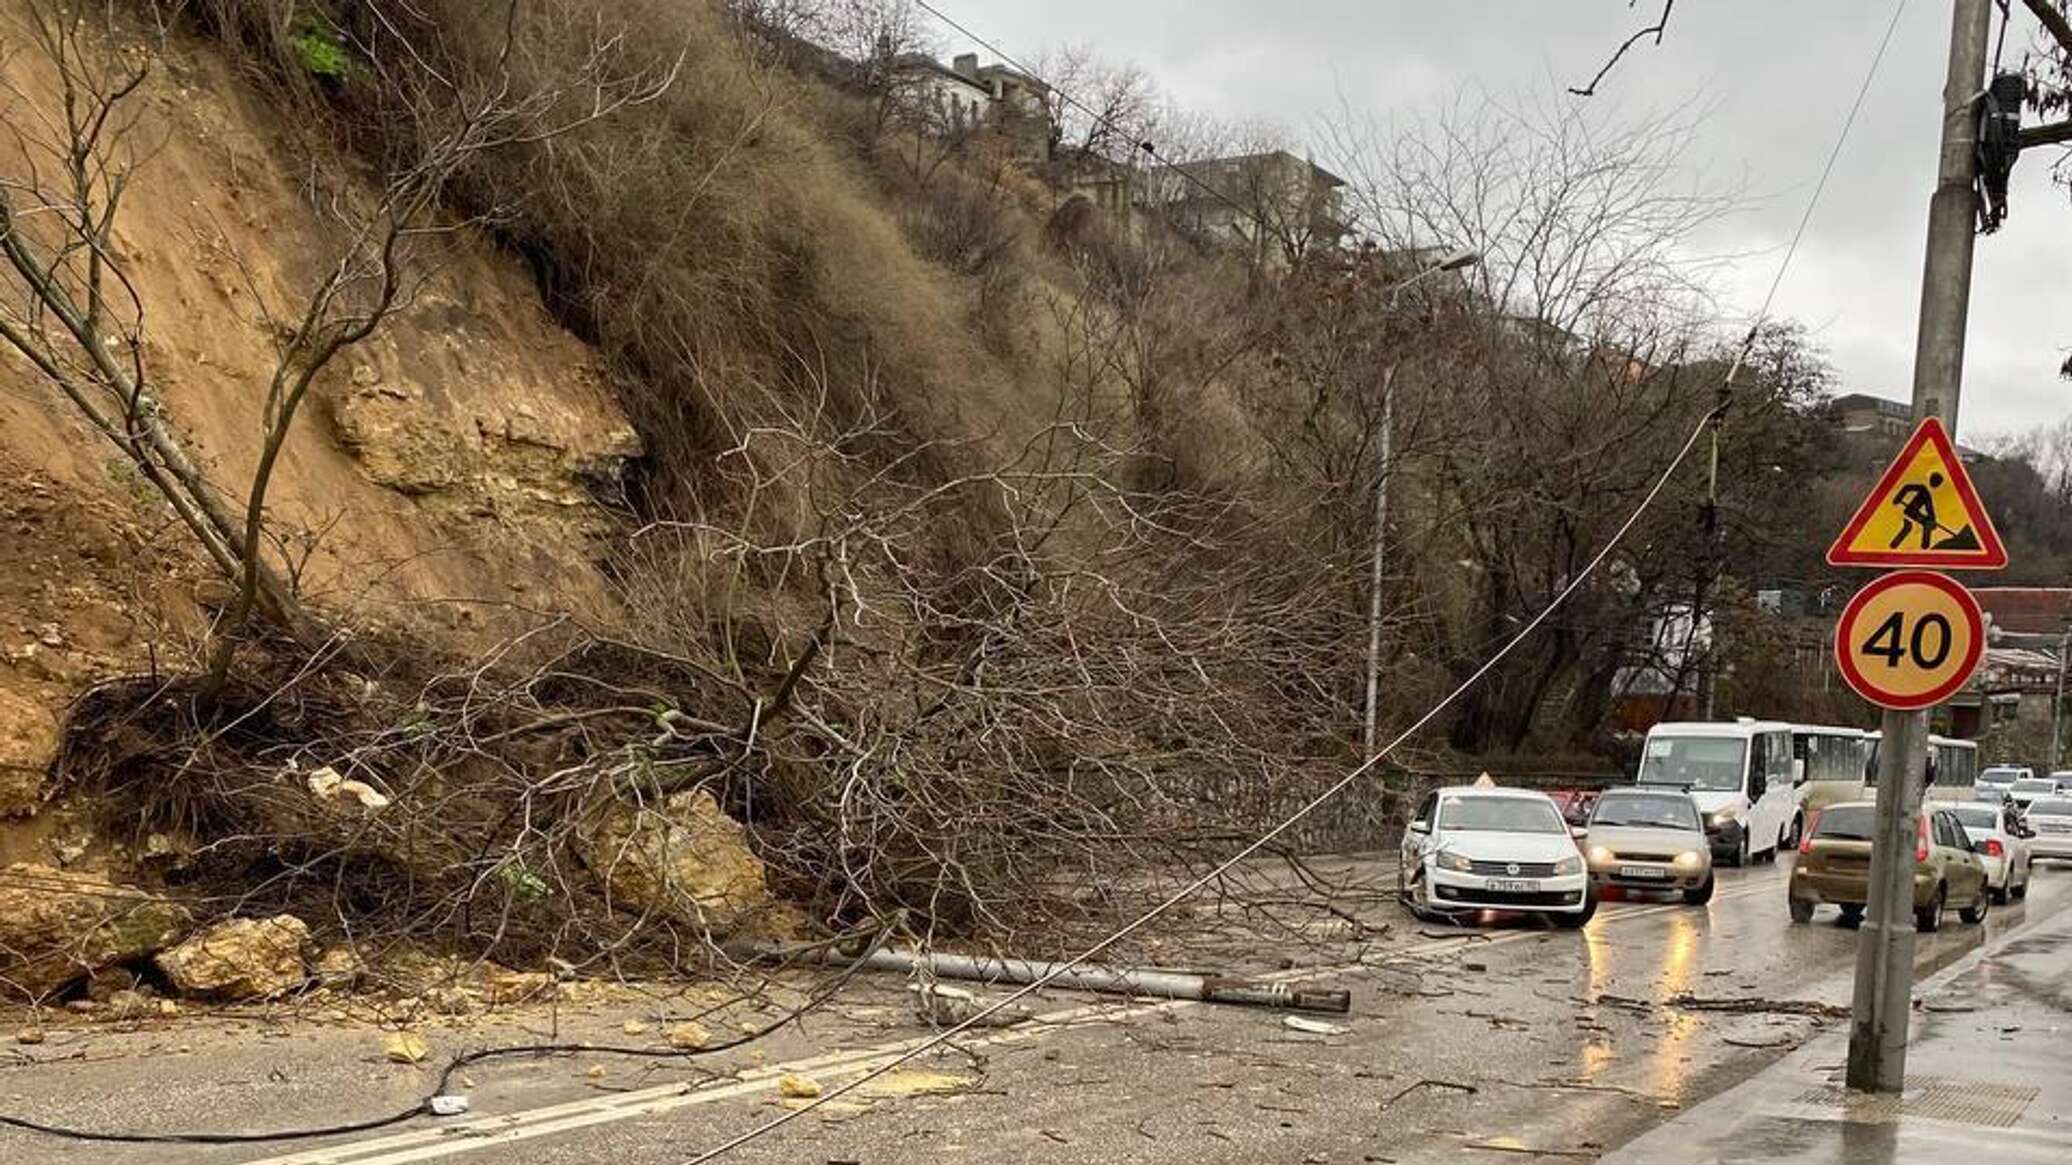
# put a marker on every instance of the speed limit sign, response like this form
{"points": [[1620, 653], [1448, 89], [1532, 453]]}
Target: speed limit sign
{"points": [[1910, 639]]}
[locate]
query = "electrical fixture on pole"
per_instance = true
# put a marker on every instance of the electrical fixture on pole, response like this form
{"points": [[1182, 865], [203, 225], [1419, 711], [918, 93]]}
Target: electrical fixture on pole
{"points": [[1384, 458]]}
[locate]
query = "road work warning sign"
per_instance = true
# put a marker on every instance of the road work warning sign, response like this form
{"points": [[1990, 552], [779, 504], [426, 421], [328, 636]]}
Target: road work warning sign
{"points": [[1924, 512]]}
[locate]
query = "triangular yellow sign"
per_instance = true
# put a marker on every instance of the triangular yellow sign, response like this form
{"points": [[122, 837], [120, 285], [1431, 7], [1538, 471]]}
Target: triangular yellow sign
{"points": [[1924, 512]]}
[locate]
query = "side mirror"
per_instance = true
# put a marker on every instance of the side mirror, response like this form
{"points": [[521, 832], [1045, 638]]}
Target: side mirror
{"points": [[1420, 828], [1579, 832]]}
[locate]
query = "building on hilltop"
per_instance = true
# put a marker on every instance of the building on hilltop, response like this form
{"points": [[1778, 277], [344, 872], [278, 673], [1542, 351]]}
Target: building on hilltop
{"points": [[1272, 206], [1858, 412], [965, 97]]}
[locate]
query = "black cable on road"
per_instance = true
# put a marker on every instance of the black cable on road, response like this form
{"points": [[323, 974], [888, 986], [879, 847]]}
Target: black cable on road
{"points": [[424, 1106]]}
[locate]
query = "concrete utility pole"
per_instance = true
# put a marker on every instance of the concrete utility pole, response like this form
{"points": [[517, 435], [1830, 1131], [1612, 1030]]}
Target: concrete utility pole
{"points": [[1386, 469], [1885, 945], [2057, 706]]}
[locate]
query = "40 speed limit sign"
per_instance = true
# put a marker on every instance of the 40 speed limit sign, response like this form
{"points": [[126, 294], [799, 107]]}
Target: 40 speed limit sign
{"points": [[1910, 639]]}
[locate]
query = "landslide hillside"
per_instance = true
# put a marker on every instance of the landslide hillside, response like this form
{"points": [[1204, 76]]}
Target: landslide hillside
{"points": [[722, 450]]}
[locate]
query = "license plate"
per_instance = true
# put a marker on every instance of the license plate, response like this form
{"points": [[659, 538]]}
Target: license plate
{"points": [[1503, 886], [1642, 872]]}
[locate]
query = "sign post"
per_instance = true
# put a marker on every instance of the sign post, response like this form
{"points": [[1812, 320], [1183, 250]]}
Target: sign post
{"points": [[1907, 642]]}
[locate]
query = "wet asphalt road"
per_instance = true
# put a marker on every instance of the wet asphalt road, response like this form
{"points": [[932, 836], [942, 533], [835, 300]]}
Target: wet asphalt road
{"points": [[1461, 1046]]}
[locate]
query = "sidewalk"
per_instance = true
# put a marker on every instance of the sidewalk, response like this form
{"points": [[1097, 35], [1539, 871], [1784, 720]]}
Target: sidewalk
{"points": [[1989, 1078]]}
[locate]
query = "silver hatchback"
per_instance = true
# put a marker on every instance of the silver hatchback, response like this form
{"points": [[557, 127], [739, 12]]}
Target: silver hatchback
{"points": [[1649, 839]]}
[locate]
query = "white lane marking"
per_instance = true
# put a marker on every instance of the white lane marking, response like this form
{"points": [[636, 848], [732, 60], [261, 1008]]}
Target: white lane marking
{"points": [[451, 1139]]}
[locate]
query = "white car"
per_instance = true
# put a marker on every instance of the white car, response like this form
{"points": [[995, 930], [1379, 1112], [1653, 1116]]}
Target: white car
{"points": [[2029, 789], [2001, 844], [1997, 778], [2064, 779], [2050, 829], [1486, 848]]}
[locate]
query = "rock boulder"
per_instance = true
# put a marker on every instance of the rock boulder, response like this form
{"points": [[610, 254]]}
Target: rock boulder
{"points": [[244, 958], [685, 859], [56, 926]]}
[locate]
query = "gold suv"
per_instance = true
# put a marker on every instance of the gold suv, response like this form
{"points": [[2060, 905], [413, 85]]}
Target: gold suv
{"points": [[1834, 867]]}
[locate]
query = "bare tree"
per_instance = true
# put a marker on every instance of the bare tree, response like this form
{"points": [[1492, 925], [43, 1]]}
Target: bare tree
{"points": [[1096, 108], [1555, 407]]}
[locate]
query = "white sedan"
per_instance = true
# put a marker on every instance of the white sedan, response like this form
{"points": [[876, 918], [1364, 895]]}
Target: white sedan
{"points": [[1485, 848], [2050, 829], [2000, 842]]}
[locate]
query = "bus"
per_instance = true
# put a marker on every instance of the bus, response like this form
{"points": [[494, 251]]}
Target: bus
{"points": [[1829, 765], [1952, 766], [1740, 774]]}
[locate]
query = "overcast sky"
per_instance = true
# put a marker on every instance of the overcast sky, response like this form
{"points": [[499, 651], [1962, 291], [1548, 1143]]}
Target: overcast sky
{"points": [[1779, 75]]}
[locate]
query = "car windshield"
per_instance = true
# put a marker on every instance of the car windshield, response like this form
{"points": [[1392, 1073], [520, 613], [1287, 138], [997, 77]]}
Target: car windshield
{"points": [[2051, 809], [2033, 785], [1999, 776], [1845, 823], [1976, 816], [1710, 764], [1646, 811], [1501, 815]]}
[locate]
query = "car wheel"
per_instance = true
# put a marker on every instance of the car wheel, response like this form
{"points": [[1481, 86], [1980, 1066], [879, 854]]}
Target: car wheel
{"points": [[1797, 834], [1802, 910], [1581, 917], [1975, 913], [1740, 858], [2021, 890], [1409, 894], [2000, 894], [1852, 917], [1928, 919], [1700, 895]]}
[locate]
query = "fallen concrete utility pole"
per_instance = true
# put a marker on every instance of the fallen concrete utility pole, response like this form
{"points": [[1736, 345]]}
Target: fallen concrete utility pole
{"points": [[1106, 980]]}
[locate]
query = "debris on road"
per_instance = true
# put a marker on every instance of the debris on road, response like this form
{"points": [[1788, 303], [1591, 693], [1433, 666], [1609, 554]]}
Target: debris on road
{"points": [[1745, 1005], [1450, 1085], [1157, 984], [1514, 1145], [913, 1082], [941, 1005], [798, 1087], [448, 1105], [688, 1036], [1315, 1027], [405, 1047]]}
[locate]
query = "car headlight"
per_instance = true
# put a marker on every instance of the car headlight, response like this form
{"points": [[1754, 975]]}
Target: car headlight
{"points": [[1568, 866], [1600, 856], [1455, 862], [1726, 816], [1690, 859]]}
